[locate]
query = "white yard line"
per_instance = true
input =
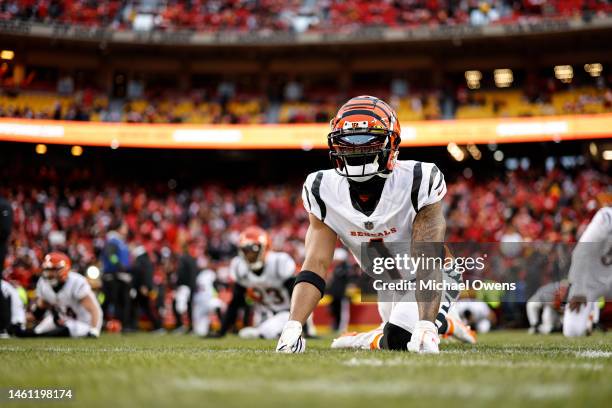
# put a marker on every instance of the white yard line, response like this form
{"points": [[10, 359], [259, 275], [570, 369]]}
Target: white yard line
{"points": [[386, 388], [376, 362], [594, 354]]}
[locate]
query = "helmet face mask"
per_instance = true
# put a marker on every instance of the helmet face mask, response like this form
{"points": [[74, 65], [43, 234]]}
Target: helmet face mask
{"points": [[360, 154], [364, 139], [253, 246], [251, 251], [52, 276], [55, 268]]}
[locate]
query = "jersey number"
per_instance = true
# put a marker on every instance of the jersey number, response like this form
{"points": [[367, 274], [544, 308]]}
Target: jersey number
{"points": [[272, 294]]}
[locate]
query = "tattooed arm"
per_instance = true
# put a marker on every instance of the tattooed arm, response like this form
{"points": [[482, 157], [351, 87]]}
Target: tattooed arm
{"points": [[428, 230]]}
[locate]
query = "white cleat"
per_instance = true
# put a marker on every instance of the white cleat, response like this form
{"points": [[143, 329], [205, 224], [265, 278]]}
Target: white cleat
{"points": [[425, 339], [460, 330], [353, 340]]}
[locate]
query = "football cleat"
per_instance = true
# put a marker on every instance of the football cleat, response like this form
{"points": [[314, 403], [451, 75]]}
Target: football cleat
{"points": [[291, 339], [353, 340], [425, 339], [460, 330]]}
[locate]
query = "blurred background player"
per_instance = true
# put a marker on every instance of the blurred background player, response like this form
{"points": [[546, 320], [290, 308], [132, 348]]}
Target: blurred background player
{"points": [[590, 275], [544, 309], [474, 313], [266, 277], [12, 311], [116, 279], [6, 223], [205, 302], [65, 304], [342, 276], [187, 271], [141, 271]]}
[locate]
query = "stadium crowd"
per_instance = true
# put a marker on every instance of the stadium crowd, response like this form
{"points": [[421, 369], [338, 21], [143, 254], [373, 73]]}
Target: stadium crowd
{"points": [[284, 16], [186, 231], [216, 107]]}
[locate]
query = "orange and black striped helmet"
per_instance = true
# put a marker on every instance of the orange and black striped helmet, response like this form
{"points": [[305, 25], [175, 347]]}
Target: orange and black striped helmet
{"points": [[55, 267], [364, 138], [254, 240]]}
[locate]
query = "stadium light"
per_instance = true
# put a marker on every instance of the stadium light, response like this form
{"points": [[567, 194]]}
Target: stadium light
{"points": [[114, 144], [593, 69], [7, 54], [93, 272], [472, 78], [593, 149], [564, 73], [503, 77], [474, 151], [455, 151], [76, 151], [498, 155], [607, 154], [41, 148]]}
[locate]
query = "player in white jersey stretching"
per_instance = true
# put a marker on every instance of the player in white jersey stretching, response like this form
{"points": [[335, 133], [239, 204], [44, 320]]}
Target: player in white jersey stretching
{"points": [[370, 196], [590, 275], [266, 278], [65, 302]]}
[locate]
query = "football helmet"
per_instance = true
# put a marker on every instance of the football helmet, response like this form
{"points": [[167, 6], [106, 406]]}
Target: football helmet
{"points": [[364, 138], [55, 268], [253, 244]]}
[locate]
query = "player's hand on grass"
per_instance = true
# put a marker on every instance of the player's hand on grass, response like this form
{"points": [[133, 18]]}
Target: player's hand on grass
{"points": [[291, 339], [424, 338]]}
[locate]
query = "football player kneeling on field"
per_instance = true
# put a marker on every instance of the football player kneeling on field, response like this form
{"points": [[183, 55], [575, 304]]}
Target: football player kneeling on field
{"points": [[590, 275], [65, 304], [266, 278], [370, 199]]}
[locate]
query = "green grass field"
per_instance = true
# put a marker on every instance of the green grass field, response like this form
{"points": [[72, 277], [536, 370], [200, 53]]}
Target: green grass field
{"points": [[506, 369]]}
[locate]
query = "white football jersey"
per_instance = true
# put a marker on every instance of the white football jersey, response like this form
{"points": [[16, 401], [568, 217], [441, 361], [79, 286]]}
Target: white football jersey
{"points": [[205, 281], [411, 186], [68, 299], [479, 310], [18, 314], [268, 288], [591, 271]]}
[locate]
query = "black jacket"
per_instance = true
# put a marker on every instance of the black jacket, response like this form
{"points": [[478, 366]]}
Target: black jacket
{"points": [[142, 271], [187, 272]]}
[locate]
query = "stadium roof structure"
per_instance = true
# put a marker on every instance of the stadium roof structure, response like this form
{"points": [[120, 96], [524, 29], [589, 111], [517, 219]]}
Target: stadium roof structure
{"points": [[190, 38]]}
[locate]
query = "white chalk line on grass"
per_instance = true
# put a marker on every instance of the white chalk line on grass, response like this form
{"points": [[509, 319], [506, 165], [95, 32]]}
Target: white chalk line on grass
{"points": [[376, 362], [130, 350], [384, 388], [593, 354], [530, 352]]}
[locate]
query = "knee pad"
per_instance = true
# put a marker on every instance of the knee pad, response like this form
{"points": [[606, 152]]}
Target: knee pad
{"points": [[395, 338]]}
